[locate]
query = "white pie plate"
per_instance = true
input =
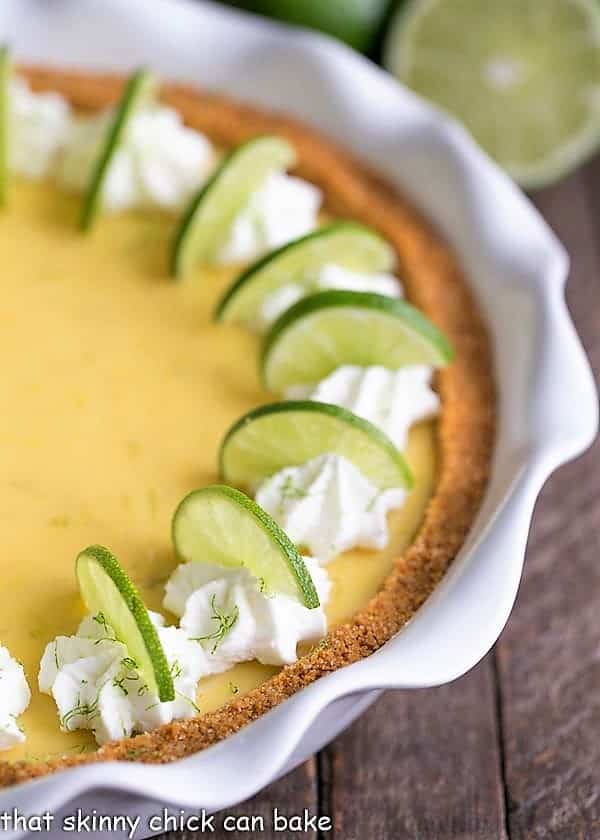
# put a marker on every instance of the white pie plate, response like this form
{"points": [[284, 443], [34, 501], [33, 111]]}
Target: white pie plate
{"points": [[548, 403]]}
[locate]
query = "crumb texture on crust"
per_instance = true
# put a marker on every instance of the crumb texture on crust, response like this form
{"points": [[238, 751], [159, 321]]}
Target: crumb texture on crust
{"points": [[433, 281]]}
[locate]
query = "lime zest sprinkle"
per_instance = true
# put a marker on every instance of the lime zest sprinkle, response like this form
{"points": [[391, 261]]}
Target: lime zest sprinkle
{"points": [[189, 700], [226, 622], [86, 710], [289, 490], [129, 676], [176, 669], [59, 521], [119, 682], [373, 501], [100, 619]]}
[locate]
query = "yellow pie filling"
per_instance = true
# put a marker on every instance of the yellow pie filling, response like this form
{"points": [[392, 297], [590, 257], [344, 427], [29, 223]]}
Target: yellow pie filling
{"points": [[117, 391]]}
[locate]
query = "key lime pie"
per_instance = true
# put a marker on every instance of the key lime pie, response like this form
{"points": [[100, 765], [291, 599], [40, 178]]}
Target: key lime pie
{"points": [[248, 415]]}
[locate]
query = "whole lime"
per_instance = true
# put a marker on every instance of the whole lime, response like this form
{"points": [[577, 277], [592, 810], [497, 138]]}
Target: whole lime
{"points": [[357, 22]]}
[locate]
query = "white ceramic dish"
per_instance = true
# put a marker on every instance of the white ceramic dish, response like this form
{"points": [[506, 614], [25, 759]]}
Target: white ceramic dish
{"points": [[518, 270]]}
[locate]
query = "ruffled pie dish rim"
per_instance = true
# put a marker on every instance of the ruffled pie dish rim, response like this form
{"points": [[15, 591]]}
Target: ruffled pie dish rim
{"points": [[434, 282]]}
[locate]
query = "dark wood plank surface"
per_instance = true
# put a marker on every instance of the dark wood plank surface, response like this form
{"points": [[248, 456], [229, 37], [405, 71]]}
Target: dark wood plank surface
{"points": [[549, 655], [422, 764], [512, 750]]}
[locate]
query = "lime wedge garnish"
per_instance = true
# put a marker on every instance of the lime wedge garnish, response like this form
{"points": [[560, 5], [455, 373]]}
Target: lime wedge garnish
{"points": [[5, 76], [287, 434], [523, 75], [211, 213], [221, 525], [333, 328], [106, 588], [347, 244], [138, 91]]}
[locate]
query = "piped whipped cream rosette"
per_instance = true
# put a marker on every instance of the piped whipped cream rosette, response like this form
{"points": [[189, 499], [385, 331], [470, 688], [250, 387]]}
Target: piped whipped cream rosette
{"points": [[367, 353], [327, 506], [243, 592], [248, 206], [97, 684], [282, 209], [37, 130], [229, 614], [14, 699], [159, 163], [259, 600], [123, 671], [393, 400], [327, 476]]}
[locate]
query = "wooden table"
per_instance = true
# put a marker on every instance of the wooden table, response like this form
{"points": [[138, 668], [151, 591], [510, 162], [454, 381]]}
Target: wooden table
{"points": [[512, 750]]}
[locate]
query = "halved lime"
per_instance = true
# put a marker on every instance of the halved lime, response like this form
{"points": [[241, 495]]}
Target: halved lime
{"points": [[523, 75], [5, 76], [347, 244], [211, 213], [138, 91], [106, 588], [290, 433], [333, 328], [221, 525]]}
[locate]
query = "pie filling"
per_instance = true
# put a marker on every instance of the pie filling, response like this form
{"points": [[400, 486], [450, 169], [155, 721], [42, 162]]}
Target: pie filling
{"points": [[119, 389]]}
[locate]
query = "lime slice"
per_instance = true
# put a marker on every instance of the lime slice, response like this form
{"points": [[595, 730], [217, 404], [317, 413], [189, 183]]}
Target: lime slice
{"points": [[211, 213], [333, 328], [5, 76], [138, 91], [357, 22], [523, 75], [221, 525], [106, 588], [290, 433], [347, 244]]}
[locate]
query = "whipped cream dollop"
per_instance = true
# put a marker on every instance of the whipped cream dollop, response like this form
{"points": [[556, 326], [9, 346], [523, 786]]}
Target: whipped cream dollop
{"points": [[391, 400], [283, 209], [14, 699], [160, 163], [328, 506], [234, 620], [331, 276], [39, 126], [96, 684]]}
